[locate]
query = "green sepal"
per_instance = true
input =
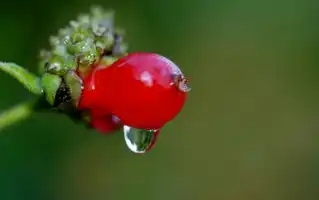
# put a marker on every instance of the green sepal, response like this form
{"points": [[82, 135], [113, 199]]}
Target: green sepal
{"points": [[74, 83], [50, 84]]}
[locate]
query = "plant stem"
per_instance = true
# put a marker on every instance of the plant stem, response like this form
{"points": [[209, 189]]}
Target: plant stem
{"points": [[16, 114], [30, 81]]}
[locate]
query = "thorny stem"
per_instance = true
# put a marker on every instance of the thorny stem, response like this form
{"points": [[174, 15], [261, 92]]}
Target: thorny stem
{"points": [[16, 114], [30, 81]]}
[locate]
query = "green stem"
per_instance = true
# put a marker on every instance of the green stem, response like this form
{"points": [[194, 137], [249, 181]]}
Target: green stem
{"points": [[30, 81], [16, 114]]}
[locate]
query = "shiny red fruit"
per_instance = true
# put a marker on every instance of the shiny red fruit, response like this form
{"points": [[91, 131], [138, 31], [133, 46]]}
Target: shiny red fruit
{"points": [[104, 123], [144, 90]]}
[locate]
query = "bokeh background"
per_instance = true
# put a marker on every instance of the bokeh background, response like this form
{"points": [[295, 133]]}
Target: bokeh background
{"points": [[249, 130]]}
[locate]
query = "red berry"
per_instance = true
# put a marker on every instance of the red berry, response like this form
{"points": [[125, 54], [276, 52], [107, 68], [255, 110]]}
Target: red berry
{"points": [[144, 90], [104, 123]]}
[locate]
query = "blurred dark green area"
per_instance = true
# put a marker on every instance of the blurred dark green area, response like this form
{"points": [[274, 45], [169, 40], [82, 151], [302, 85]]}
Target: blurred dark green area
{"points": [[249, 130]]}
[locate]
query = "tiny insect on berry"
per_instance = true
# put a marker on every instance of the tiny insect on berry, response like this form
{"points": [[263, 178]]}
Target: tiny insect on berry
{"points": [[144, 90]]}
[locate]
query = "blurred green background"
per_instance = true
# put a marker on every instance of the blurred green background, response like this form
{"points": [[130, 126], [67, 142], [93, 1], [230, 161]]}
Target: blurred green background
{"points": [[249, 130]]}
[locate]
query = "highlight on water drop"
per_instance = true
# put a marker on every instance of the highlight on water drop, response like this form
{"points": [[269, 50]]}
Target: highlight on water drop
{"points": [[139, 140]]}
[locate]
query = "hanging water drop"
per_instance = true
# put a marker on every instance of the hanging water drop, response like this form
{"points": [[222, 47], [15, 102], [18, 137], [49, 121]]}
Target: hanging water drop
{"points": [[139, 140]]}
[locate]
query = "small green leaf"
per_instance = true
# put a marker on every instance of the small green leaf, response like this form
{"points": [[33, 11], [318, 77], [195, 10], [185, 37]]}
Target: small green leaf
{"points": [[28, 80]]}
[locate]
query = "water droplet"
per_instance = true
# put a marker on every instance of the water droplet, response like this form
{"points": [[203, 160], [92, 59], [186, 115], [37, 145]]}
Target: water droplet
{"points": [[139, 140]]}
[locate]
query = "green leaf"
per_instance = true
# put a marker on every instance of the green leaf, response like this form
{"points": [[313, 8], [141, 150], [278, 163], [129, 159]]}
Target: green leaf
{"points": [[27, 79]]}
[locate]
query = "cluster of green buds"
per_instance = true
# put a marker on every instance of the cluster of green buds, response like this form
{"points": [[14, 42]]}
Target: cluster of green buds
{"points": [[89, 40]]}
